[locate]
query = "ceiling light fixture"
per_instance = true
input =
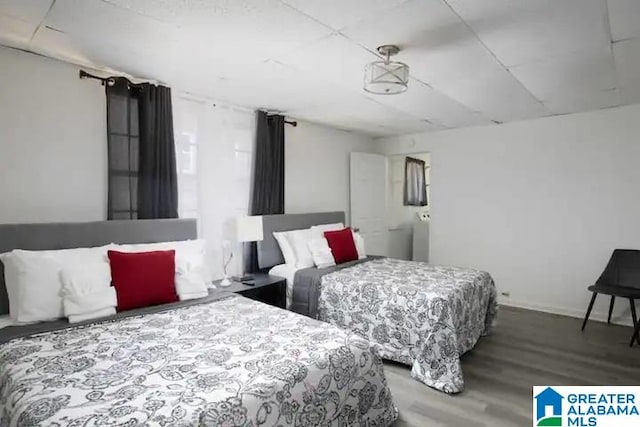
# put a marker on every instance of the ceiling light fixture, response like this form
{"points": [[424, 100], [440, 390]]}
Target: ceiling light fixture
{"points": [[386, 77]]}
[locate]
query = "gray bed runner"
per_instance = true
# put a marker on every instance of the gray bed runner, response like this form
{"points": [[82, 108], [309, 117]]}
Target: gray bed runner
{"points": [[20, 331], [306, 286]]}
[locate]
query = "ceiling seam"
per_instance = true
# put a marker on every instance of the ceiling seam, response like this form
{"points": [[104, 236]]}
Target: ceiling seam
{"points": [[44, 18], [359, 92], [410, 115], [436, 122], [607, 22], [473, 111], [306, 15], [500, 63], [428, 120], [339, 32]]}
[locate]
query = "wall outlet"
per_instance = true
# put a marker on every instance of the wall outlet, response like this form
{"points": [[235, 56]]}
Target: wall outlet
{"points": [[505, 294]]}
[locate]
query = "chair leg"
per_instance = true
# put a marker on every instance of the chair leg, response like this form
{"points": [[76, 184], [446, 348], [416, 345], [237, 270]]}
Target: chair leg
{"points": [[632, 304], [636, 334], [586, 317], [613, 300]]}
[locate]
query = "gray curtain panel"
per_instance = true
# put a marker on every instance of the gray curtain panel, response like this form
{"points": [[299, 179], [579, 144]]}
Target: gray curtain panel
{"points": [[158, 181], [268, 176], [415, 189], [142, 159]]}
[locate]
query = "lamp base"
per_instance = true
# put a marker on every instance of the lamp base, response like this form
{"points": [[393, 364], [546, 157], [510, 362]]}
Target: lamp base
{"points": [[225, 283]]}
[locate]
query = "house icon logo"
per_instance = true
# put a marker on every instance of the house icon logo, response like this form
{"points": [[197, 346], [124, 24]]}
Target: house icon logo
{"points": [[548, 408]]}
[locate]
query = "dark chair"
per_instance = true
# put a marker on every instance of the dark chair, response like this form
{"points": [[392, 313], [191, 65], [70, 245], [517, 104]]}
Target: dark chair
{"points": [[621, 278]]}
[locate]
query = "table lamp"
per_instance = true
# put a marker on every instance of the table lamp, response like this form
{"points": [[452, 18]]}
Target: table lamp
{"points": [[248, 229]]}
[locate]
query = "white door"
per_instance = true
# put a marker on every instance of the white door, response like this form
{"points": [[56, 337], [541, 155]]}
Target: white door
{"points": [[369, 200]]}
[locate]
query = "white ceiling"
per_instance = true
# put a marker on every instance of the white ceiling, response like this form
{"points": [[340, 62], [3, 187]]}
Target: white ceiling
{"points": [[472, 62]]}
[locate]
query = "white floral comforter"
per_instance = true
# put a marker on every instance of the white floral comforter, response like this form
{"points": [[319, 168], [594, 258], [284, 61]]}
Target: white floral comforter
{"points": [[234, 362], [415, 313]]}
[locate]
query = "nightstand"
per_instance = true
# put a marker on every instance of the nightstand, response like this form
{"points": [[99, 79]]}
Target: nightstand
{"points": [[267, 289]]}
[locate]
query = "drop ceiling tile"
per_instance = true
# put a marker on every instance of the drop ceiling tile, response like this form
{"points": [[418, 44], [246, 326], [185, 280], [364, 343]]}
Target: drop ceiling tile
{"points": [[269, 85], [378, 115], [496, 94], [339, 121], [585, 101], [108, 26], [15, 32], [572, 83], [427, 24], [92, 53], [358, 112], [627, 57], [341, 13], [334, 59], [421, 101], [54, 43], [624, 18], [435, 43], [259, 29], [32, 11], [523, 31]]}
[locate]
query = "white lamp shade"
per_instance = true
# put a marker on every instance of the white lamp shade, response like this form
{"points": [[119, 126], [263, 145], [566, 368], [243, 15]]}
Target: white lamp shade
{"points": [[249, 228]]}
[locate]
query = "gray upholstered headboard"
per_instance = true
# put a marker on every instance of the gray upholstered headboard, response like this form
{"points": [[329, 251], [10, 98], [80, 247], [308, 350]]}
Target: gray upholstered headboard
{"points": [[269, 253], [88, 234]]}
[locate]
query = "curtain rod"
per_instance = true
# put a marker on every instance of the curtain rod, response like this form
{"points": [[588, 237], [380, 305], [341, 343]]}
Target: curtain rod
{"points": [[110, 81], [105, 81], [289, 122]]}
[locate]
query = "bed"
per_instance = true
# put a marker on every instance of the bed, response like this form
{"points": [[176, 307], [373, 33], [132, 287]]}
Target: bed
{"points": [[425, 316], [219, 360]]}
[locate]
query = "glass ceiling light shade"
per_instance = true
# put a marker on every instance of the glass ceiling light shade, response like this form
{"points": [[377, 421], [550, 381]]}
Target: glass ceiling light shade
{"points": [[386, 77]]}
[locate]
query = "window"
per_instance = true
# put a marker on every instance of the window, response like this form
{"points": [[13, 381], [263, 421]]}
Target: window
{"points": [[214, 152], [123, 140], [415, 182]]}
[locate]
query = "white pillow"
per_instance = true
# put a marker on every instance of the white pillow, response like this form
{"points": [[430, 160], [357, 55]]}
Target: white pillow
{"points": [[321, 252], [34, 285], [189, 281], [85, 279], [359, 241], [192, 252], [87, 292], [285, 247], [11, 283], [317, 231], [299, 240]]}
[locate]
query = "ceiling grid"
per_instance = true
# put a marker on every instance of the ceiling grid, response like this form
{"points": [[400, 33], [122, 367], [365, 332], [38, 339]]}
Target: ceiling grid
{"points": [[472, 63]]}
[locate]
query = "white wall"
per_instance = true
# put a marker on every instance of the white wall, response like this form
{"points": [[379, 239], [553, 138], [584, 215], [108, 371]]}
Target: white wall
{"points": [[317, 167], [53, 146], [539, 204]]}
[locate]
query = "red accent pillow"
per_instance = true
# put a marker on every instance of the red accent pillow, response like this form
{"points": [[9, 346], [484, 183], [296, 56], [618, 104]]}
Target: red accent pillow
{"points": [[342, 245], [142, 279]]}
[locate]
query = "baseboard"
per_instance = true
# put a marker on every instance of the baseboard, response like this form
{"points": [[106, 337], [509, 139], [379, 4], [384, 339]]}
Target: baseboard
{"points": [[563, 311]]}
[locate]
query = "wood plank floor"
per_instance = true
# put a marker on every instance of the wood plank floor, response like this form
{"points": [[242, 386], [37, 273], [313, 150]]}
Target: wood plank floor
{"points": [[527, 348]]}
